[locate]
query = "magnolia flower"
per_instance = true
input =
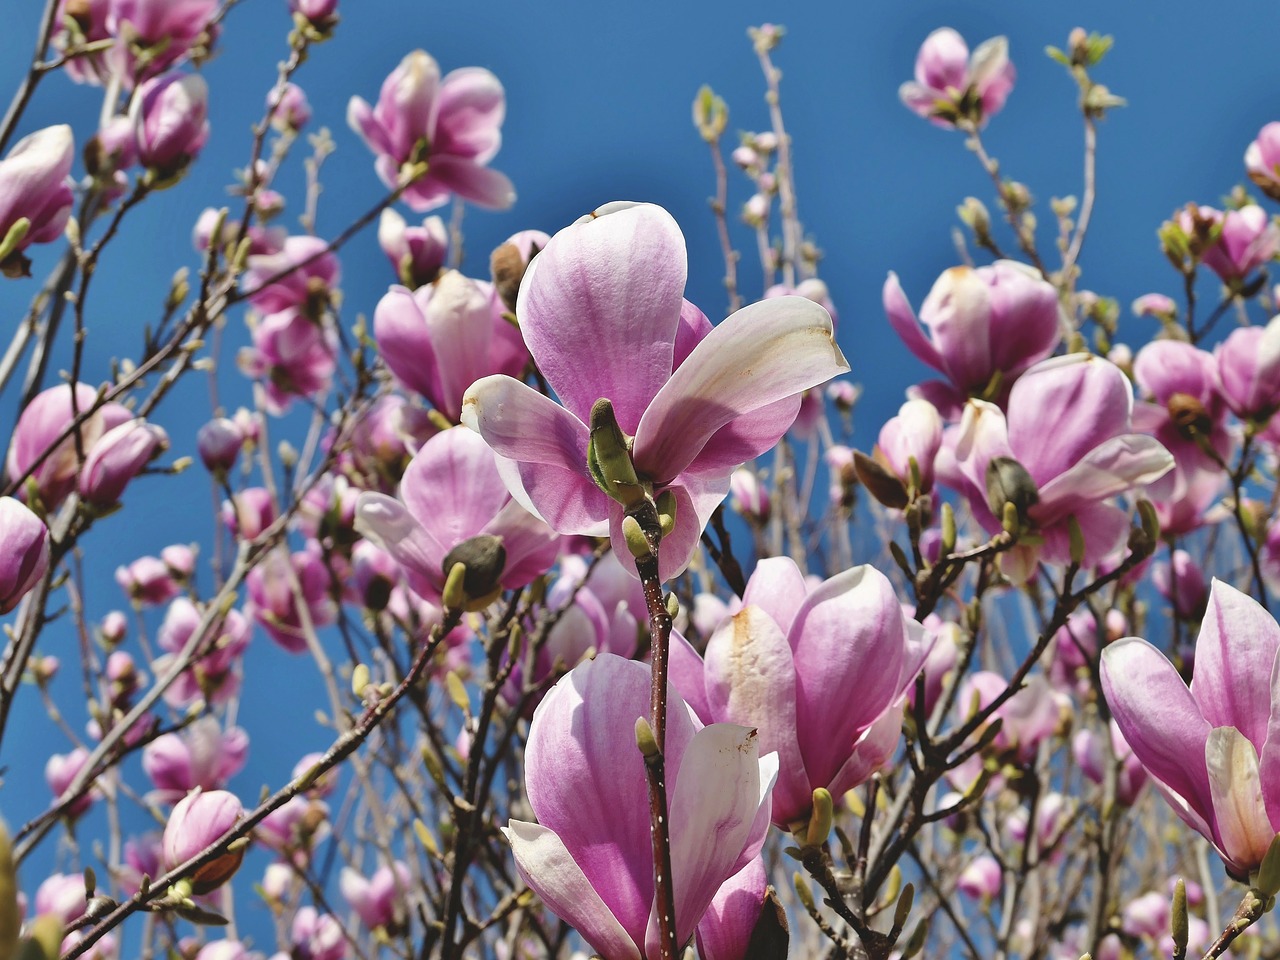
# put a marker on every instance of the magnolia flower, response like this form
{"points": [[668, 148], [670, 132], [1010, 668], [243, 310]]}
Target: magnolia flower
{"points": [[454, 125], [986, 326], [1248, 239], [34, 188], [602, 311], [1262, 160], [446, 335], [951, 85], [203, 755], [24, 559], [196, 823], [1063, 451], [589, 856], [452, 493], [820, 673], [170, 122], [1209, 749], [1248, 371]]}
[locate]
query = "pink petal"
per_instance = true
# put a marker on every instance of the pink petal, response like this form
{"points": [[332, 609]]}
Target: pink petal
{"points": [[404, 343], [686, 672], [726, 927], [849, 642], [530, 544], [599, 308], [550, 871], [470, 109], [458, 318], [548, 446], [871, 751], [1111, 468], [1159, 718], [696, 499], [481, 185], [452, 486], [1235, 657], [388, 524], [778, 587], [764, 353], [903, 320]]}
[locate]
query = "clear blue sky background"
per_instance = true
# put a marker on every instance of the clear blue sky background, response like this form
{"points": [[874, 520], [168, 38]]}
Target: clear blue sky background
{"points": [[599, 109]]}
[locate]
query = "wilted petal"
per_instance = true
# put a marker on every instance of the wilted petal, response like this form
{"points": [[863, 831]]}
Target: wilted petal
{"points": [[599, 308], [764, 353], [750, 679], [550, 871], [1159, 718], [1235, 657]]}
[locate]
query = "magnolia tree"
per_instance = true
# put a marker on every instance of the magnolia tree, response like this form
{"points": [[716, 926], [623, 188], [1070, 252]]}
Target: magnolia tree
{"points": [[598, 670]]}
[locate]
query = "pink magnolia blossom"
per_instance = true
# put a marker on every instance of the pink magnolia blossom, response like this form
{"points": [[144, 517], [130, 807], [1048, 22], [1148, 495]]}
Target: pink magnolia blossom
{"points": [[63, 896], [982, 879], [1248, 240], [1183, 409], [34, 188], [292, 355], [1262, 160], [219, 443], [416, 253], [24, 557], [510, 261], [915, 434], [589, 856], [197, 821], [951, 85], [61, 771], [290, 109], [602, 311], [750, 496], [203, 755], [170, 122], [317, 11], [379, 901], [1209, 749], [1068, 426], [446, 335], [120, 454], [1181, 582], [454, 125], [316, 936], [311, 274], [290, 593], [821, 674], [1093, 758], [1248, 371], [1154, 305], [42, 421], [215, 674], [1028, 717], [993, 320], [147, 581], [165, 29], [452, 491]]}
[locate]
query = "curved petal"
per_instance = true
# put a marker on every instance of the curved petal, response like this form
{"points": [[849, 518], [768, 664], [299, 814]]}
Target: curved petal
{"points": [[404, 343], [726, 927], [696, 499], [778, 587], [872, 750], [1159, 718], [747, 437], [901, 317], [452, 486], [549, 446], [387, 523], [549, 870], [1244, 830], [713, 806], [457, 316], [530, 544], [599, 307], [687, 674], [762, 354], [470, 108], [1111, 468], [483, 186], [751, 680], [586, 780], [849, 642], [1235, 657], [361, 120]]}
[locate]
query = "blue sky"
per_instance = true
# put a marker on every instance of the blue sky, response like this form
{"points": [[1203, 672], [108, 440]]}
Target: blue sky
{"points": [[599, 109]]}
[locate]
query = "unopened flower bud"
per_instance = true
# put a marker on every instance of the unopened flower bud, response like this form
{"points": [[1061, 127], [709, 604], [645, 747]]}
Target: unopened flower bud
{"points": [[219, 442], [170, 123], [25, 554], [484, 558], [292, 111], [1008, 482]]}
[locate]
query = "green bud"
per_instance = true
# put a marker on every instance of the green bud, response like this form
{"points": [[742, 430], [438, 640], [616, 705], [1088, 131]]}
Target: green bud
{"points": [[426, 838], [666, 505], [916, 943], [1075, 539], [821, 817], [434, 768], [803, 891], [360, 679], [710, 115], [646, 740], [457, 691], [453, 596], [637, 542], [1268, 878], [673, 605], [948, 529], [1178, 923], [902, 911], [609, 457], [17, 233], [44, 939]]}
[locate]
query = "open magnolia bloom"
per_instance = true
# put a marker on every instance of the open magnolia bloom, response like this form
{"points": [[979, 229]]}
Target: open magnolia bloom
{"points": [[603, 314], [1213, 750], [590, 856]]}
